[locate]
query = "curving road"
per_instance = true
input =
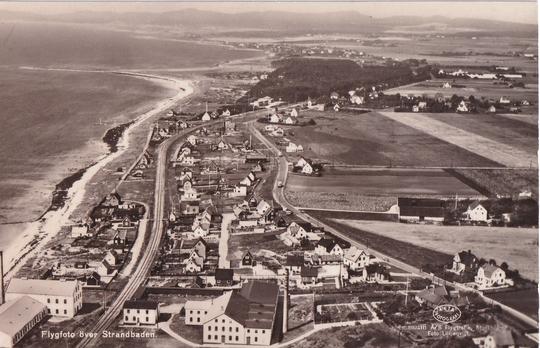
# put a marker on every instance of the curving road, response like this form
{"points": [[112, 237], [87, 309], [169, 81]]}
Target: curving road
{"points": [[279, 197]]}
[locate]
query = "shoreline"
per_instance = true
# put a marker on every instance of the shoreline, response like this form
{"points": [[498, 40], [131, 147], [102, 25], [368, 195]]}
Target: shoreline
{"points": [[38, 233]]}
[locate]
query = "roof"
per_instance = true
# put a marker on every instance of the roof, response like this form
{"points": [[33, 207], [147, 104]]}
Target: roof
{"points": [[467, 258], [327, 243], [421, 211], [309, 272], [140, 304], [255, 305], [295, 260], [489, 269], [42, 287], [420, 202], [224, 274], [354, 253], [434, 296], [15, 314], [474, 204]]}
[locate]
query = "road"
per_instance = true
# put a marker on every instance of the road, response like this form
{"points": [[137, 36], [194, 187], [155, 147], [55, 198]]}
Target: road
{"points": [[145, 264], [279, 197]]}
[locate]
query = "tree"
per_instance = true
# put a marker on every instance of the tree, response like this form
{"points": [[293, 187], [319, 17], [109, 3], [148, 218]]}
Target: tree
{"points": [[504, 266]]}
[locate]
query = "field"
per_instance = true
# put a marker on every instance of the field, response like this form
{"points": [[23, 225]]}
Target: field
{"points": [[370, 139], [265, 247], [478, 88], [519, 135], [339, 201], [525, 301], [383, 182], [469, 140], [515, 246], [493, 182]]}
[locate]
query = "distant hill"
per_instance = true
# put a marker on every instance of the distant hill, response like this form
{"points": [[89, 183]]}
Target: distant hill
{"points": [[344, 22]]}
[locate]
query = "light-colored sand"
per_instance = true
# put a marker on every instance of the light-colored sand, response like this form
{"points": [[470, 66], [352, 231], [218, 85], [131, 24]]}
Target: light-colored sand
{"points": [[19, 249], [516, 246], [493, 150]]}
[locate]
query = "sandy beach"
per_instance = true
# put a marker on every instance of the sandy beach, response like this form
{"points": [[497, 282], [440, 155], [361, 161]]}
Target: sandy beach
{"points": [[33, 236]]}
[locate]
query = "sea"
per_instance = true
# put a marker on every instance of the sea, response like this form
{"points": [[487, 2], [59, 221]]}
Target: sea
{"points": [[54, 112]]}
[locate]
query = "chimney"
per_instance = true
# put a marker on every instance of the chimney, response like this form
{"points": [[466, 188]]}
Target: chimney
{"points": [[2, 295], [286, 303]]}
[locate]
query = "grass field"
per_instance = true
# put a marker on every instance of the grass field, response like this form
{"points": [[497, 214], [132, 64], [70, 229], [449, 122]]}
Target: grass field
{"points": [[371, 139], [515, 246], [339, 201], [525, 301], [519, 135], [383, 182], [503, 182], [478, 88], [467, 140]]}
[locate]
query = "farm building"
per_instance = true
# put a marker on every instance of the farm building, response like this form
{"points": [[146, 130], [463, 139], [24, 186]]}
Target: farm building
{"points": [[420, 209], [476, 212], [464, 261], [17, 317]]}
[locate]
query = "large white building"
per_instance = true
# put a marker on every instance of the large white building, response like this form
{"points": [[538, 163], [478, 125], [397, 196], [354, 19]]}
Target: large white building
{"points": [[17, 317], [244, 317], [62, 298]]}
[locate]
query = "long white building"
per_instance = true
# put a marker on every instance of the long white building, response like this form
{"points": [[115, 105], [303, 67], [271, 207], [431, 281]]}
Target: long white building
{"points": [[243, 317], [17, 317], [62, 298]]}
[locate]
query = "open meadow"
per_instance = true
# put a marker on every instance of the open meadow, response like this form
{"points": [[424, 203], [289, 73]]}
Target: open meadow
{"points": [[371, 139], [469, 140], [515, 246], [383, 182]]}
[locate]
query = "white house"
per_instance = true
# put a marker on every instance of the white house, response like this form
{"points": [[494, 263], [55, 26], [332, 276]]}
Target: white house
{"points": [[462, 107], [62, 298], [222, 145], [290, 120], [355, 258], [263, 207], [192, 139], [446, 85], [476, 212], [239, 191], [274, 118], [489, 275], [226, 113], [307, 169], [297, 231], [504, 100], [301, 162], [206, 117], [294, 112], [137, 312], [80, 231], [356, 99], [292, 147], [17, 317]]}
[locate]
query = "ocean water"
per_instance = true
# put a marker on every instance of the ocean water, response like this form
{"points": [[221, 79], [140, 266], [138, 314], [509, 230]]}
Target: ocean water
{"points": [[52, 121]]}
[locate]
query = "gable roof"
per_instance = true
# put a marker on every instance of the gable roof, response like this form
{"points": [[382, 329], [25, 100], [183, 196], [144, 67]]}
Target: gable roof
{"points": [[42, 287], [489, 269], [224, 274], [295, 260], [311, 272], [15, 314], [327, 243], [140, 304]]}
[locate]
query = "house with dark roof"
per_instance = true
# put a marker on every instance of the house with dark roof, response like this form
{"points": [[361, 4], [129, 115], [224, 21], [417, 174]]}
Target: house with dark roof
{"points": [[420, 210], [309, 275], [247, 260], [433, 296], [326, 246], [224, 276], [464, 262], [140, 312], [294, 262]]}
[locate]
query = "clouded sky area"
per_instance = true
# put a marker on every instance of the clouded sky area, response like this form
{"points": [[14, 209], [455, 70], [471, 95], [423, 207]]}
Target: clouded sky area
{"points": [[512, 11]]}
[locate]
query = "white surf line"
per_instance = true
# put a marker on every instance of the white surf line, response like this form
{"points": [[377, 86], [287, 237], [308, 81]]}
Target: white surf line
{"points": [[53, 221], [490, 149]]}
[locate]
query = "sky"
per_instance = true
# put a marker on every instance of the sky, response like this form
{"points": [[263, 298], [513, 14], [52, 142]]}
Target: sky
{"points": [[511, 11]]}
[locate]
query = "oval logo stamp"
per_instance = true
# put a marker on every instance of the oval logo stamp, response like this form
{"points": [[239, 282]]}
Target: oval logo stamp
{"points": [[446, 313]]}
